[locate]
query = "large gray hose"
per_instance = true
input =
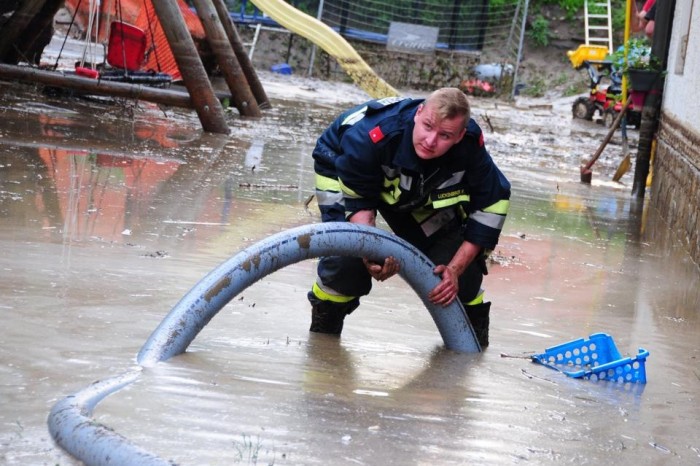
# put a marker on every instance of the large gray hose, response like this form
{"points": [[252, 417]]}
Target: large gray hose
{"points": [[94, 444], [213, 292], [70, 423]]}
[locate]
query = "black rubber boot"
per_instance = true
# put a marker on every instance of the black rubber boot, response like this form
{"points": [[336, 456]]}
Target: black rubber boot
{"points": [[479, 317], [328, 317]]}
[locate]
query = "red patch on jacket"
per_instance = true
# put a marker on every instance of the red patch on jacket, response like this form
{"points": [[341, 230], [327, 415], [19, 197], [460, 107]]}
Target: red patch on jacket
{"points": [[481, 140], [376, 134]]}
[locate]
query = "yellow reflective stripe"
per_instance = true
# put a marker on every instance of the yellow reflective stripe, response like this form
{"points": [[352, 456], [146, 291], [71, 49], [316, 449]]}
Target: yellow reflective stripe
{"points": [[478, 300], [324, 183], [451, 201], [500, 207], [391, 195], [347, 191], [325, 296]]}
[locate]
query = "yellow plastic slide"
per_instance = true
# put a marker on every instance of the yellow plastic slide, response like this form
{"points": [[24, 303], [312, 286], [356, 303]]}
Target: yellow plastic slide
{"points": [[330, 41]]}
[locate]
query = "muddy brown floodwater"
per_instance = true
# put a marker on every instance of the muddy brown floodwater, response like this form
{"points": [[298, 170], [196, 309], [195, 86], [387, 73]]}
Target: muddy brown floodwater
{"points": [[110, 213]]}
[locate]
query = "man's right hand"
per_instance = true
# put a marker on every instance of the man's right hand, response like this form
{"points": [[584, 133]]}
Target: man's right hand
{"points": [[381, 272]]}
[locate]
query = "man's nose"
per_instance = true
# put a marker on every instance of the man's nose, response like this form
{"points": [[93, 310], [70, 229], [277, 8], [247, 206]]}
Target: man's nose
{"points": [[431, 138]]}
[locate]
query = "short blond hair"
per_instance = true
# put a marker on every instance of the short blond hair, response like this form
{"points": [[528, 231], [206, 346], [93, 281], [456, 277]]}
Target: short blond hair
{"points": [[449, 102]]}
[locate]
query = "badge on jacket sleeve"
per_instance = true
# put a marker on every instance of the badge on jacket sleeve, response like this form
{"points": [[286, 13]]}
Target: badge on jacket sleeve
{"points": [[376, 135]]}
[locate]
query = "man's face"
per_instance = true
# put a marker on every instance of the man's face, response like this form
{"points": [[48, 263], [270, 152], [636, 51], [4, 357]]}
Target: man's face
{"points": [[432, 136]]}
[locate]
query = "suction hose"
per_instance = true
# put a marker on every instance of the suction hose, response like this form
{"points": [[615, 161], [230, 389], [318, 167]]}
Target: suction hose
{"points": [[214, 291], [70, 421], [92, 443]]}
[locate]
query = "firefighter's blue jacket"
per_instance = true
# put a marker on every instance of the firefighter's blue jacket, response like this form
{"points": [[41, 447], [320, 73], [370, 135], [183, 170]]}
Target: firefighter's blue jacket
{"points": [[367, 155]]}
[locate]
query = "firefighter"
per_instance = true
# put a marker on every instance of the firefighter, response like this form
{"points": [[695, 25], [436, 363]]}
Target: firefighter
{"points": [[423, 166]]}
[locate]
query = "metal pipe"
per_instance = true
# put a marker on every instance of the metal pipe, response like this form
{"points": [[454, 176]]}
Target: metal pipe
{"points": [[653, 100], [319, 16], [189, 316], [521, 40]]}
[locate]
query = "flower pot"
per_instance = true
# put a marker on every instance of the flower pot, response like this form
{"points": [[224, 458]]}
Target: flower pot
{"points": [[643, 80], [638, 99]]}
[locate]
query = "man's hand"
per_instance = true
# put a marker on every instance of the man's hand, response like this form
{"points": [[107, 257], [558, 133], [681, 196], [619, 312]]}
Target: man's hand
{"points": [[381, 272], [446, 291]]}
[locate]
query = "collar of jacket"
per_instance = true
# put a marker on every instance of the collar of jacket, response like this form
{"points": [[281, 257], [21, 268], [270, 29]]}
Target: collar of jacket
{"points": [[406, 156]]}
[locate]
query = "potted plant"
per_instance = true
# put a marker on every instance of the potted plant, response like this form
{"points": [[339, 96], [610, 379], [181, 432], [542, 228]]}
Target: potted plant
{"points": [[641, 67]]}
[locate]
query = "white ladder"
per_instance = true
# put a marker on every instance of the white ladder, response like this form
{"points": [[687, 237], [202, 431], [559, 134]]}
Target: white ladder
{"points": [[598, 24]]}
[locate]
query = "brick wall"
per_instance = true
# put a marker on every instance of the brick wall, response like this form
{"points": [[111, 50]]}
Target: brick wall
{"points": [[676, 182]]}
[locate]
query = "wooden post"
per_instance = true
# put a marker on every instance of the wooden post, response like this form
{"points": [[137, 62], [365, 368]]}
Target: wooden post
{"points": [[241, 94], [93, 86], [15, 27], [243, 58], [208, 108]]}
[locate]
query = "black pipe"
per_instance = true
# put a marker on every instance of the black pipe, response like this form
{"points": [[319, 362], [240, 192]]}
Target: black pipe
{"points": [[483, 24], [454, 21], [343, 17], [663, 29]]}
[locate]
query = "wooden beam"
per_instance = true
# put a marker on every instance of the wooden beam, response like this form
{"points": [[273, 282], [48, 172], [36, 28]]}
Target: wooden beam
{"points": [[94, 86], [208, 108], [241, 54], [15, 27], [241, 94]]}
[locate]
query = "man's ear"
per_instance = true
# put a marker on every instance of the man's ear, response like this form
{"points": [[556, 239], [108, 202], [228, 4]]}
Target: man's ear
{"points": [[418, 112]]}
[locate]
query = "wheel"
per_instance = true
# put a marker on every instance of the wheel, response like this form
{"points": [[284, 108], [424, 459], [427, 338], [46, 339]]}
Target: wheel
{"points": [[609, 117], [583, 108]]}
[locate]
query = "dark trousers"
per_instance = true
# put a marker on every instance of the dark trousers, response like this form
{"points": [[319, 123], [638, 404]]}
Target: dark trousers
{"points": [[348, 275]]}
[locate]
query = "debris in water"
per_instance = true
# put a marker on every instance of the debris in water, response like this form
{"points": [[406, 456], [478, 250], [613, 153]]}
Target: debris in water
{"points": [[268, 186], [487, 119], [156, 254], [531, 376], [659, 447], [524, 355]]}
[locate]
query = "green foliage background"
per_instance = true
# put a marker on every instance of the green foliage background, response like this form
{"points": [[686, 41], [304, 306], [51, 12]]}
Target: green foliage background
{"points": [[574, 8]]}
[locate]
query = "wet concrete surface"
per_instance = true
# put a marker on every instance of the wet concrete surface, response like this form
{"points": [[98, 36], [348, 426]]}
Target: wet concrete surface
{"points": [[110, 213]]}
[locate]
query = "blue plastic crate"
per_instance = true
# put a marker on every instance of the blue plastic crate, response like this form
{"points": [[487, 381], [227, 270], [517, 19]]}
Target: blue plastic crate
{"points": [[595, 358], [281, 68]]}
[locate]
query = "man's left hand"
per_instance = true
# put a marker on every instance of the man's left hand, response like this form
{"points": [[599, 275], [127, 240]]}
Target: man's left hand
{"points": [[446, 291], [381, 272]]}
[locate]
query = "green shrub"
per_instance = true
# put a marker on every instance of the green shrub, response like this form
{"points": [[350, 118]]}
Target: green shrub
{"points": [[539, 32], [536, 87]]}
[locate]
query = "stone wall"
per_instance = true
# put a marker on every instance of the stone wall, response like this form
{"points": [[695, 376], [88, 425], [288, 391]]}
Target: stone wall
{"points": [[401, 70], [676, 181]]}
